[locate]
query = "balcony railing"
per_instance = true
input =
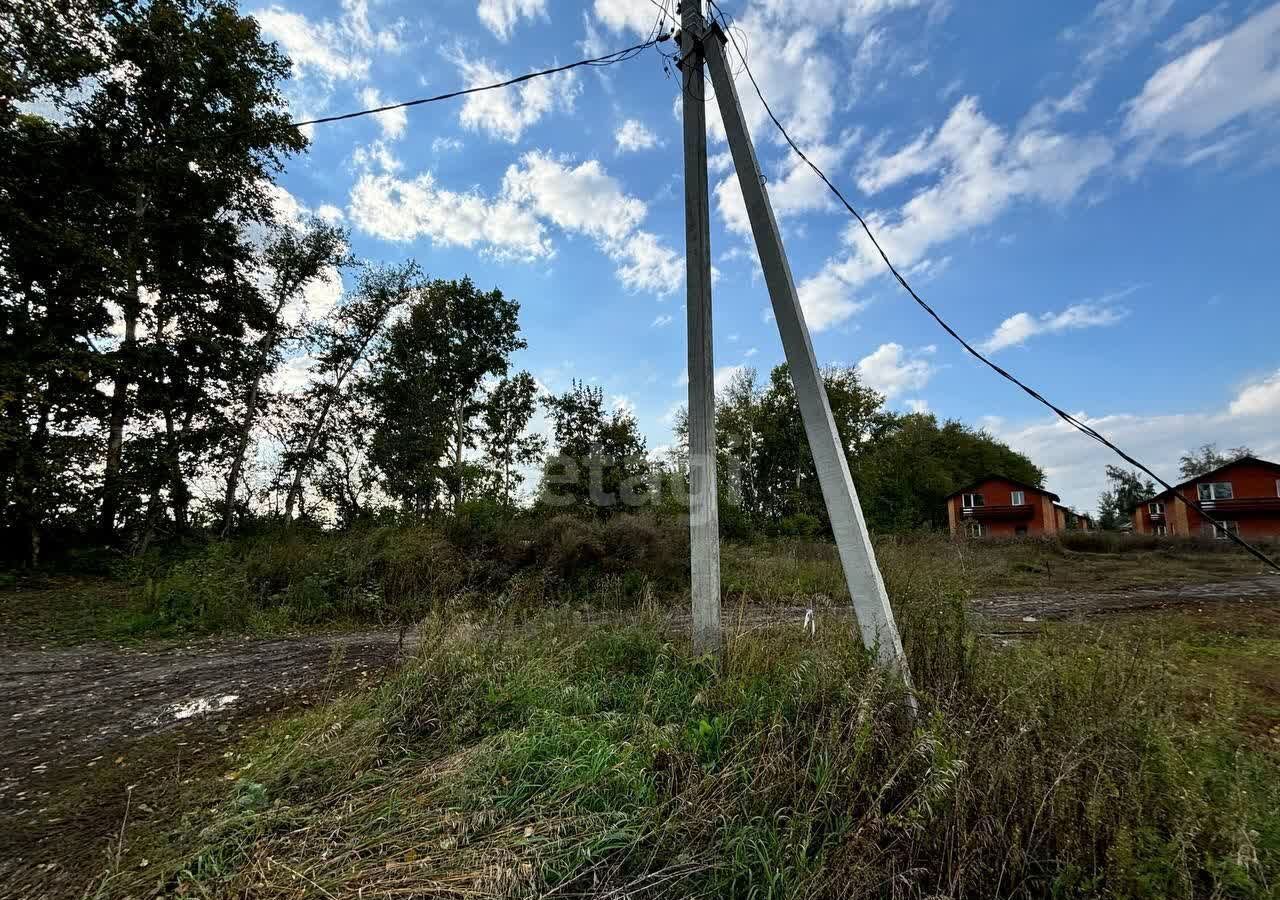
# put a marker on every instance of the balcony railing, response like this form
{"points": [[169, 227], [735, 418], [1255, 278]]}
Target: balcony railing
{"points": [[1001, 513], [1264, 505]]}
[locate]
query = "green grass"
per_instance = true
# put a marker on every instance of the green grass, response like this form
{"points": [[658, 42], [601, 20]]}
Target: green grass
{"points": [[393, 576], [556, 757]]}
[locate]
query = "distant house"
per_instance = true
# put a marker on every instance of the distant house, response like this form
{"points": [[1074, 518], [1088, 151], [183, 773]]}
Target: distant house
{"points": [[996, 506], [1070, 520], [1243, 495]]}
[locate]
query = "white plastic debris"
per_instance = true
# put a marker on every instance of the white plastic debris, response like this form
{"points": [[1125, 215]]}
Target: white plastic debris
{"points": [[201, 705]]}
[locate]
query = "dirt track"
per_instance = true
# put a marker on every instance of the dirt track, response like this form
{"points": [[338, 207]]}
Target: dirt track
{"points": [[1067, 604], [86, 724]]}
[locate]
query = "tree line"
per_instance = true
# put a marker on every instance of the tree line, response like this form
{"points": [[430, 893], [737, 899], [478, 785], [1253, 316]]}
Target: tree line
{"points": [[154, 295]]}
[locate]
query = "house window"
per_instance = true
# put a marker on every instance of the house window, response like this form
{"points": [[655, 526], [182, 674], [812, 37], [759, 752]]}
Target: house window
{"points": [[1018, 498], [1160, 531], [1208, 529], [1157, 509], [969, 501], [1217, 490], [973, 529]]}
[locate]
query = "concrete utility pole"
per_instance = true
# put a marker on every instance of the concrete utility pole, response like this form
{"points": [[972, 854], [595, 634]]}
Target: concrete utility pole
{"points": [[704, 517], [866, 587]]}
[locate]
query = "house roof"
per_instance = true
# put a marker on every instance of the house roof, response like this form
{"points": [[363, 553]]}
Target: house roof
{"points": [[1244, 460], [1015, 482]]}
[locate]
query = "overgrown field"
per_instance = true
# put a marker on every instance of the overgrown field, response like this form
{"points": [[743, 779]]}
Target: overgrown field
{"points": [[524, 752], [281, 580]]}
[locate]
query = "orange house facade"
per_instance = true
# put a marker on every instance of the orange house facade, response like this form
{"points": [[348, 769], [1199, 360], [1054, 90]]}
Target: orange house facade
{"points": [[996, 506], [1244, 496]]}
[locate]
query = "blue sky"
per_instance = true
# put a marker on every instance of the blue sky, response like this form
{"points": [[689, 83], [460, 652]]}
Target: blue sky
{"points": [[1090, 191]]}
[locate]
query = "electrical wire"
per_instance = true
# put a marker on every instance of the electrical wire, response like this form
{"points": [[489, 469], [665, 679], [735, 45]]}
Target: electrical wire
{"points": [[1071, 420], [607, 60]]}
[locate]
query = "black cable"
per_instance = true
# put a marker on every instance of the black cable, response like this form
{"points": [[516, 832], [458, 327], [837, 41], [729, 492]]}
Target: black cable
{"points": [[607, 60], [1034, 394]]}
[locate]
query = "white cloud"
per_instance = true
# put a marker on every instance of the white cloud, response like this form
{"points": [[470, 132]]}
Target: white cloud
{"points": [[505, 113], [393, 121], [636, 16], [1020, 327], [445, 144], [891, 370], [329, 214], [1197, 31], [662, 321], [501, 16], [326, 51], [399, 210], [374, 157], [1259, 399], [587, 200], [978, 170], [323, 48], [537, 191], [634, 135], [751, 351], [918, 405], [794, 191], [826, 300], [1115, 26], [726, 374], [1233, 77]]}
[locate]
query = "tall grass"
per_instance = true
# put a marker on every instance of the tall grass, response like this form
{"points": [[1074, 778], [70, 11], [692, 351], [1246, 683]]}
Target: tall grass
{"points": [[556, 758]]}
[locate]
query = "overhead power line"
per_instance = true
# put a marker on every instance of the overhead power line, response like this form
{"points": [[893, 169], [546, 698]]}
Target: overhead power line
{"points": [[607, 60], [1071, 420]]}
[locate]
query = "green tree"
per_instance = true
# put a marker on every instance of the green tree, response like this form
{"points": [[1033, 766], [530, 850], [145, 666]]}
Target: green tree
{"points": [[178, 142], [291, 260], [600, 465], [425, 390], [504, 424], [1207, 458], [341, 343], [1126, 489]]}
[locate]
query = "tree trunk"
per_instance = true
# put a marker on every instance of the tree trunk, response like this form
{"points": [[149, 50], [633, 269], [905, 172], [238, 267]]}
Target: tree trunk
{"points": [[295, 486], [237, 461], [121, 383], [457, 459], [179, 495], [119, 406]]}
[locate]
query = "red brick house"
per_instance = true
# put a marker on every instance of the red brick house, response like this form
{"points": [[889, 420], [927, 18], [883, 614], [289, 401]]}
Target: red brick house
{"points": [[996, 506], [1243, 495]]}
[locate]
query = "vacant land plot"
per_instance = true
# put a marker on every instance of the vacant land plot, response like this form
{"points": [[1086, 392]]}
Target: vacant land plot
{"points": [[113, 749]]}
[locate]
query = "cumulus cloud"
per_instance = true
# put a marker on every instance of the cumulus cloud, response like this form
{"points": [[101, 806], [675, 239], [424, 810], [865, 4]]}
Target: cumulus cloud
{"points": [[827, 301], [506, 113], [501, 16], [973, 170], [393, 121], [403, 210], [662, 321], [1213, 85], [634, 135], [1259, 399], [1021, 327], [892, 370], [537, 192]]}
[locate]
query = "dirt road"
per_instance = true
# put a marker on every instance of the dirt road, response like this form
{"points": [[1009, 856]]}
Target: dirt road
{"points": [[87, 726], [1051, 604]]}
